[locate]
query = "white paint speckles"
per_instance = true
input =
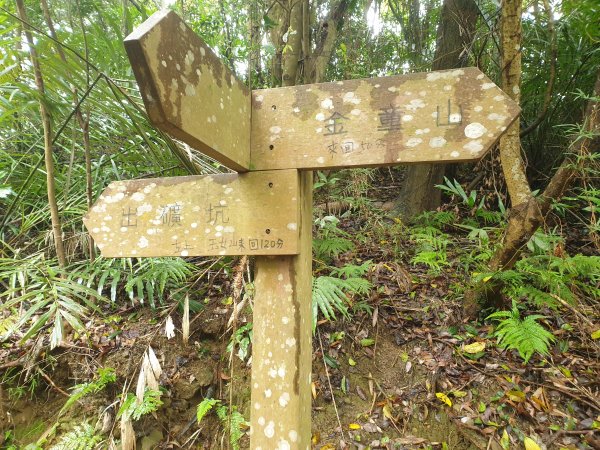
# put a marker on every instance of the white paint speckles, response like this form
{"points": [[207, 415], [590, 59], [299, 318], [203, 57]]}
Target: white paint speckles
{"points": [[185, 253], [96, 230], [229, 229], [434, 76], [455, 154], [437, 142], [283, 445], [280, 277], [447, 87], [292, 226], [413, 142], [407, 118], [350, 97], [270, 429], [281, 372], [164, 63], [268, 392], [261, 421], [327, 104], [259, 98], [290, 342], [474, 130], [321, 160], [320, 117], [497, 117], [498, 98], [474, 147], [480, 76], [275, 129], [146, 207], [143, 242], [486, 86], [285, 320], [114, 198], [392, 89], [454, 118], [422, 131], [202, 51], [516, 89], [415, 104], [478, 108], [222, 202], [190, 91], [256, 406], [207, 230], [355, 112], [272, 373], [284, 399], [123, 229], [228, 191], [296, 110], [293, 435]]}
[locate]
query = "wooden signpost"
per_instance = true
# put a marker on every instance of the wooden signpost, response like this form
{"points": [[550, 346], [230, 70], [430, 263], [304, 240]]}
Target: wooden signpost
{"points": [[279, 136]]}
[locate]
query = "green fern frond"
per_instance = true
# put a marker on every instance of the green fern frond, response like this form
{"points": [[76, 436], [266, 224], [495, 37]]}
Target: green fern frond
{"points": [[82, 437], [105, 376], [329, 296], [526, 336], [236, 423], [204, 407], [332, 246]]}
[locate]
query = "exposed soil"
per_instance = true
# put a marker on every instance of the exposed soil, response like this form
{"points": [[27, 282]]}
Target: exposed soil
{"points": [[377, 380]]}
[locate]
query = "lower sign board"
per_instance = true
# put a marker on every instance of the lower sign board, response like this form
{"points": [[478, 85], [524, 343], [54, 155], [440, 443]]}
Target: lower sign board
{"points": [[227, 214]]}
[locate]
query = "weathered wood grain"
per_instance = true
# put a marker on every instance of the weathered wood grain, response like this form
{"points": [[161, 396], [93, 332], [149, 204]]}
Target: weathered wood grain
{"points": [[281, 345], [189, 92], [445, 116], [230, 214]]}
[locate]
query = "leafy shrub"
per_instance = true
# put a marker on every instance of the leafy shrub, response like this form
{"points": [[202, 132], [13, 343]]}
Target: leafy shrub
{"points": [[146, 278], [40, 293], [230, 418], [82, 437], [332, 293], [526, 336]]}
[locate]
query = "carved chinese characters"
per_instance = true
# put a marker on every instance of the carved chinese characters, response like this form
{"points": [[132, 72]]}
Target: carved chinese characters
{"points": [[445, 116], [229, 214]]}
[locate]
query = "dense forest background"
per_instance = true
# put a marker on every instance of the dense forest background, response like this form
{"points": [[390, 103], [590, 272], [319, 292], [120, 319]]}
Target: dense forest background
{"points": [[492, 267]]}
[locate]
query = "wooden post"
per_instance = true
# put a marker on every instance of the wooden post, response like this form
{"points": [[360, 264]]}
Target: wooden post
{"points": [[282, 343]]}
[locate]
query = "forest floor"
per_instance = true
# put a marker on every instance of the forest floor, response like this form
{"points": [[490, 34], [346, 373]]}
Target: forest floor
{"points": [[407, 372]]}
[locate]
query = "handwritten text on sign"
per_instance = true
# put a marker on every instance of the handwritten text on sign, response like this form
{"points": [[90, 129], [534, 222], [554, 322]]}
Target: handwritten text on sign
{"points": [[446, 116], [228, 214]]}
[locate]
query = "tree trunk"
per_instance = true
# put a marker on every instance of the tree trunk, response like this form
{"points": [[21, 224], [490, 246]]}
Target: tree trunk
{"points": [[454, 37], [47, 126], [83, 123], [510, 142], [528, 216]]}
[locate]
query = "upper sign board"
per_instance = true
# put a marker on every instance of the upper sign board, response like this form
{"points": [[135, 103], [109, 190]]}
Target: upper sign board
{"points": [[229, 214], [189, 92], [444, 116]]}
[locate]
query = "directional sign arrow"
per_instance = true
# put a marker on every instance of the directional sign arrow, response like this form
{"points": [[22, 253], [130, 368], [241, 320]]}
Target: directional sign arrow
{"points": [[189, 92], [445, 116], [229, 214]]}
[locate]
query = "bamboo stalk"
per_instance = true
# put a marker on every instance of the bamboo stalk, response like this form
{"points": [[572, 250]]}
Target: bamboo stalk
{"points": [[47, 126]]}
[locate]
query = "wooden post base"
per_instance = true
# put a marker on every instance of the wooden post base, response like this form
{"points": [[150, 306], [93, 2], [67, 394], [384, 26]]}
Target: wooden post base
{"points": [[282, 347]]}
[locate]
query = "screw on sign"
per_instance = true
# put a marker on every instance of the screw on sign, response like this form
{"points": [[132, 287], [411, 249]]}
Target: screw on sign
{"points": [[445, 116]]}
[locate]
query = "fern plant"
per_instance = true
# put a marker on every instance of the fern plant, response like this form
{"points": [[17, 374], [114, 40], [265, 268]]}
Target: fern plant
{"points": [[133, 409], [431, 246], [81, 437], [526, 335], [232, 419], [330, 240], [145, 278], [104, 377], [331, 294], [40, 293]]}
